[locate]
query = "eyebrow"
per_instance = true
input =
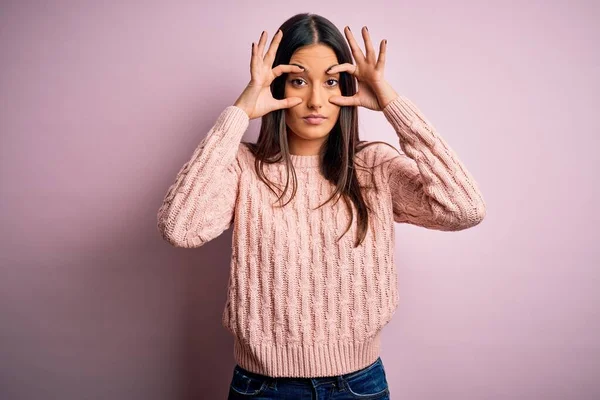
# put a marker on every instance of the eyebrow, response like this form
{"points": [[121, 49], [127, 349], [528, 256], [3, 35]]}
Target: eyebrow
{"points": [[307, 70]]}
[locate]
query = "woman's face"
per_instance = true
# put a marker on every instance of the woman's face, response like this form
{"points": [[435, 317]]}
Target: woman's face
{"points": [[314, 87]]}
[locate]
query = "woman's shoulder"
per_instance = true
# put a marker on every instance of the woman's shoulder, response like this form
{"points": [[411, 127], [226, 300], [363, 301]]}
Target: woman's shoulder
{"points": [[376, 152], [370, 153], [244, 150], [246, 155]]}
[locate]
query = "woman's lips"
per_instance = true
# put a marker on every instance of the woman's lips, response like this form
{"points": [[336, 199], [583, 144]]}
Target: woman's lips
{"points": [[314, 121]]}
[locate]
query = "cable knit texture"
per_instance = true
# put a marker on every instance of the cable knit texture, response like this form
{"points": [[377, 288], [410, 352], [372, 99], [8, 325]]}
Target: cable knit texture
{"points": [[300, 304]]}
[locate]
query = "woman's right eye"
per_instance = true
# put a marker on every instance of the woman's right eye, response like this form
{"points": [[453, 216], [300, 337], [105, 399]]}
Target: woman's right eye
{"points": [[292, 81]]}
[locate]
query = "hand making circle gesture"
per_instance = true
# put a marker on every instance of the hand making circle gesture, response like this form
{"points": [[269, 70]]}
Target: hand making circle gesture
{"points": [[368, 71], [257, 99]]}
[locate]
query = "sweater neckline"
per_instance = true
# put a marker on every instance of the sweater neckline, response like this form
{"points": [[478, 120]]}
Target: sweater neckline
{"points": [[305, 161]]}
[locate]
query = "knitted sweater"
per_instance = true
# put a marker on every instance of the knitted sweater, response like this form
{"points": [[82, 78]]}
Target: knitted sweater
{"points": [[300, 304]]}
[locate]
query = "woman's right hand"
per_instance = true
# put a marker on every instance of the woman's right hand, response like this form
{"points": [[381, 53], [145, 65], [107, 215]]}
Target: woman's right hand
{"points": [[256, 100]]}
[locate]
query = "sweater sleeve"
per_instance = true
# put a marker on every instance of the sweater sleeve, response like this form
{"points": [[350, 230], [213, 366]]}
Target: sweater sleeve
{"points": [[200, 204], [429, 185]]}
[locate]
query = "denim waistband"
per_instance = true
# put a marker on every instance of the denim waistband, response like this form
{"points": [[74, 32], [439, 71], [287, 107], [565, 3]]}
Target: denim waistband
{"points": [[316, 381]]}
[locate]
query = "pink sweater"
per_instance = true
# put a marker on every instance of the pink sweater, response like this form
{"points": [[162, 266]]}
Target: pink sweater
{"points": [[299, 304]]}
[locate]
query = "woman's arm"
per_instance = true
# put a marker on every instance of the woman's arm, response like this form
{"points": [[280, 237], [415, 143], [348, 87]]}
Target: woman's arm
{"points": [[200, 204], [430, 186]]}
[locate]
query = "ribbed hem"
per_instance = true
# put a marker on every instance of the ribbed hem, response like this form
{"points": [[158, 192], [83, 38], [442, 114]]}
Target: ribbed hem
{"points": [[307, 361]]}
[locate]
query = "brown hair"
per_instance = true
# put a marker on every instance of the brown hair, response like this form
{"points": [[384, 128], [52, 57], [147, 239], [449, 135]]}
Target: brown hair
{"points": [[337, 157]]}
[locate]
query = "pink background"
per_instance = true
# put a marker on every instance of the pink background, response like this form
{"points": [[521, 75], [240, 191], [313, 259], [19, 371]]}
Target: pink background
{"points": [[101, 104]]}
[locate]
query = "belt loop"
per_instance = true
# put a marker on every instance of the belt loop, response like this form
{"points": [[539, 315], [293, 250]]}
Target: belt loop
{"points": [[340, 383]]}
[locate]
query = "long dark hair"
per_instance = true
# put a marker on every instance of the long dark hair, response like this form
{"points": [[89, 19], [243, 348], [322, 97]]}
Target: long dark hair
{"points": [[337, 161]]}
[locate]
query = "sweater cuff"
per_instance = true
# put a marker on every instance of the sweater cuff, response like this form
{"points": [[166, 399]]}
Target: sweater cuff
{"points": [[232, 118], [401, 112]]}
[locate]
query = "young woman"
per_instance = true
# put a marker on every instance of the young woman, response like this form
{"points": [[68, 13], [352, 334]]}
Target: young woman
{"points": [[310, 290]]}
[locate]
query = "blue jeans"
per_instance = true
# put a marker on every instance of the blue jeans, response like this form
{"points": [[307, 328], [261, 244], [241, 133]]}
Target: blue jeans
{"points": [[368, 383]]}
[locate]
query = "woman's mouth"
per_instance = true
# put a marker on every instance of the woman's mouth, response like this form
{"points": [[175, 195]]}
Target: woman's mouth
{"points": [[314, 120]]}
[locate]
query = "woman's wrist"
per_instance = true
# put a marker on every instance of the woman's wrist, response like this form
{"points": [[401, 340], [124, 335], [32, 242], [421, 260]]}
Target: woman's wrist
{"points": [[245, 109]]}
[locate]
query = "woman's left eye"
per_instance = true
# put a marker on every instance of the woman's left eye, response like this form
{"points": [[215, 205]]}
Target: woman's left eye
{"points": [[301, 80]]}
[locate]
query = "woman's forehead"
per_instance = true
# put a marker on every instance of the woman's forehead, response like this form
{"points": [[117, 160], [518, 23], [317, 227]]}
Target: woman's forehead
{"points": [[315, 56]]}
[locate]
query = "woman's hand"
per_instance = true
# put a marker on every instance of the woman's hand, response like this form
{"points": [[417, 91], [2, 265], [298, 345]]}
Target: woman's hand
{"points": [[256, 100], [368, 71]]}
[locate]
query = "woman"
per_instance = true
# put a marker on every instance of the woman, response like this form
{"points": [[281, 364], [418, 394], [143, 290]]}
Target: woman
{"points": [[307, 299]]}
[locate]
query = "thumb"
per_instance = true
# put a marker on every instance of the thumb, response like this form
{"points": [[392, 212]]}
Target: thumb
{"points": [[290, 102], [342, 100]]}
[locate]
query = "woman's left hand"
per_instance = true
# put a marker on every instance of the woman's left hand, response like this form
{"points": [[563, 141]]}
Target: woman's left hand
{"points": [[368, 71]]}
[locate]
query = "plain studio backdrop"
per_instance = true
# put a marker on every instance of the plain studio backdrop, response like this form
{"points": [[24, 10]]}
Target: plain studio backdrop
{"points": [[103, 102]]}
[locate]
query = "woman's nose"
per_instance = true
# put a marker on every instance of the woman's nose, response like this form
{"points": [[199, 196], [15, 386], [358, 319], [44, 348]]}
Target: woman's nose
{"points": [[315, 99]]}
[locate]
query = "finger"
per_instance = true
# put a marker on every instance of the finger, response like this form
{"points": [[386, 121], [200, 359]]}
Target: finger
{"points": [[261, 43], [270, 56], [381, 60], [286, 68], [345, 67], [289, 102], [356, 51], [368, 45], [253, 57], [344, 100]]}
